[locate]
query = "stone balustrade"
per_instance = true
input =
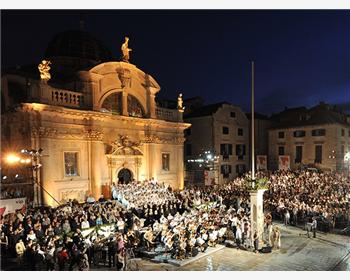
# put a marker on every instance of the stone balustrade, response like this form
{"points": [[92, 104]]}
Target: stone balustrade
{"points": [[67, 98], [172, 115]]}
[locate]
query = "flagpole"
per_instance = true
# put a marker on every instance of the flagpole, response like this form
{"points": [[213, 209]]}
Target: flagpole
{"points": [[253, 130]]}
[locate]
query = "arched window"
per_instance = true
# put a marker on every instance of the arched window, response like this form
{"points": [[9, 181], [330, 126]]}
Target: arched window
{"points": [[113, 103], [135, 108]]}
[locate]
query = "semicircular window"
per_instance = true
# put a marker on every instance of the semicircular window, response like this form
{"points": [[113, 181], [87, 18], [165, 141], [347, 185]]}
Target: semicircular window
{"points": [[113, 103], [135, 108]]}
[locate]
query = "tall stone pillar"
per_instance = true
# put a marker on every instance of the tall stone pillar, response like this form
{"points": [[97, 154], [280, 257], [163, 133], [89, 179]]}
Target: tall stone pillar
{"points": [[154, 158], [152, 106], [124, 103], [257, 213], [98, 163], [180, 167]]}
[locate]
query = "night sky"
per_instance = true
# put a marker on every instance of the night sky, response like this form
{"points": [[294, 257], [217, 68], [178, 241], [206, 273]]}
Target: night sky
{"points": [[302, 57]]}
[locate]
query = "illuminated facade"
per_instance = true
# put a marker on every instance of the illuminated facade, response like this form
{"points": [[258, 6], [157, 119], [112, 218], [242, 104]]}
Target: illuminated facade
{"points": [[319, 136], [96, 120], [224, 130]]}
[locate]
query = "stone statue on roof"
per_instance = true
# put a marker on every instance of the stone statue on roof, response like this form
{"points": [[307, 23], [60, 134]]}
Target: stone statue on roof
{"points": [[180, 103], [44, 69], [125, 50]]}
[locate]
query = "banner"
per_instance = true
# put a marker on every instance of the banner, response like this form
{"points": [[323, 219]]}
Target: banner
{"points": [[209, 177], [11, 205], [261, 162], [283, 162]]}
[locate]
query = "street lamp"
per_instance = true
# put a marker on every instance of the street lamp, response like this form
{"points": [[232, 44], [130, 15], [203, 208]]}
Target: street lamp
{"points": [[35, 166]]}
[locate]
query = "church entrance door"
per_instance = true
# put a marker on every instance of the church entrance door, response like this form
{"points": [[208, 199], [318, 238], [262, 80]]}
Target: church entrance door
{"points": [[124, 176]]}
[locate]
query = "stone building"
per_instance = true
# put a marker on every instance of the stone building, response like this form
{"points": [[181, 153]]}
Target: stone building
{"points": [[262, 125], [319, 136], [223, 129], [96, 120]]}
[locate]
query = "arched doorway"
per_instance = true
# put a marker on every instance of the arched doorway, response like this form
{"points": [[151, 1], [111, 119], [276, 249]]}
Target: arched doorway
{"points": [[124, 176]]}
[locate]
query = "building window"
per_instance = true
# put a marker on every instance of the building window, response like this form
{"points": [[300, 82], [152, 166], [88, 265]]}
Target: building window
{"points": [[165, 162], [188, 149], [113, 103], [240, 169], [318, 154], [71, 164], [281, 150], [281, 134], [349, 133], [240, 151], [240, 132], [342, 132], [299, 133], [318, 132], [188, 132], [226, 170], [225, 130], [342, 155], [233, 114], [298, 154], [225, 150], [135, 108]]}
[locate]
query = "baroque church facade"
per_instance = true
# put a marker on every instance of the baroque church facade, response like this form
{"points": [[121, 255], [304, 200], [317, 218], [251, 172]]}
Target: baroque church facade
{"points": [[96, 120]]}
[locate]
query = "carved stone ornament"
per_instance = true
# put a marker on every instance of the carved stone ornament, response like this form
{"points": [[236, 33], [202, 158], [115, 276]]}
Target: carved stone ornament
{"points": [[162, 140], [124, 146], [47, 132], [124, 75], [93, 135]]}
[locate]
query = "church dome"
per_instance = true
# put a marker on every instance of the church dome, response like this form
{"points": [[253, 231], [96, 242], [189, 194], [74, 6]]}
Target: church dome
{"points": [[78, 44]]}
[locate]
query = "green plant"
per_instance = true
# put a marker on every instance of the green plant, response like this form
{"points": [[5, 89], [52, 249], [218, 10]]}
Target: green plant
{"points": [[260, 184]]}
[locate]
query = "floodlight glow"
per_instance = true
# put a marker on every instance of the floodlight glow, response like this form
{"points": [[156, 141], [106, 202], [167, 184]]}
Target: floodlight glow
{"points": [[347, 156], [11, 158]]}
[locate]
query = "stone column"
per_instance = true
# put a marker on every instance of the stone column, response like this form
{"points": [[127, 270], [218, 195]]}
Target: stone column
{"points": [[125, 103], [98, 159], [152, 106], [180, 167], [257, 213]]}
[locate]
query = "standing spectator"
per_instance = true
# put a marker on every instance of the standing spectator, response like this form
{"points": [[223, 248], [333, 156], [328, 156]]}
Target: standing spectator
{"points": [[120, 225], [112, 250], [84, 262], [286, 217], [85, 223], [256, 242], [63, 258], [314, 226], [238, 235], [4, 244], [120, 252], [20, 249]]}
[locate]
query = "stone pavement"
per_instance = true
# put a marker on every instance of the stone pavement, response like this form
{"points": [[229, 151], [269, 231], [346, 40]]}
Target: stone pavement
{"points": [[298, 253]]}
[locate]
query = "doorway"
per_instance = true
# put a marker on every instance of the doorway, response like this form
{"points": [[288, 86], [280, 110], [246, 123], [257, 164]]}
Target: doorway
{"points": [[124, 176]]}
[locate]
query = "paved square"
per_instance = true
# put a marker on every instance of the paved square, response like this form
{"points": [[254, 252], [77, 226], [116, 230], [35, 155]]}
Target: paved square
{"points": [[298, 253]]}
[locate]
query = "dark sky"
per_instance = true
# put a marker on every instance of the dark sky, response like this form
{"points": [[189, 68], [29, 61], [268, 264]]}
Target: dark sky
{"points": [[302, 57]]}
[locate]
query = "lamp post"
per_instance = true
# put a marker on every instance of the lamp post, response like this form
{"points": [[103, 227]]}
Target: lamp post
{"points": [[35, 166]]}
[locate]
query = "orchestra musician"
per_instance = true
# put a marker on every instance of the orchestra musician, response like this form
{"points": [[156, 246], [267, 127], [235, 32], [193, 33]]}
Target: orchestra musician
{"points": [[149, 238]]}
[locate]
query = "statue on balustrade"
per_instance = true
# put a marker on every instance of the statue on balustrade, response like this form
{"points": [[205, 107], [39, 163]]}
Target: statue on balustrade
{"points": [[180, 103], [44, 69]]}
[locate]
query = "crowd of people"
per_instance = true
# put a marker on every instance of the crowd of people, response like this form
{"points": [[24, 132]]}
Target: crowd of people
{"points": [[145, 216]]}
